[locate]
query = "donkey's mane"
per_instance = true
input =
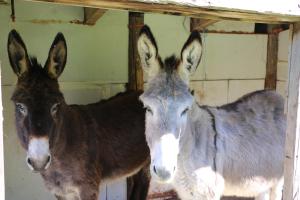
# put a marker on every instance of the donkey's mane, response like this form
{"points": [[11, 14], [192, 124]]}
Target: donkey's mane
{"points": [[171, 64], [233, 106], [34, 62]]}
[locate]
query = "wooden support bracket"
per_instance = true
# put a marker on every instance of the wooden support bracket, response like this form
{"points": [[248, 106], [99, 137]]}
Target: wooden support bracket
{"points": [[200, 24], [91, 15]]}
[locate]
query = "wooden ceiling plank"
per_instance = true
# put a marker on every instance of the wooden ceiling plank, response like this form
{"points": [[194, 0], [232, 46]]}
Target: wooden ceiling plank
{"points": [[214, 9]]}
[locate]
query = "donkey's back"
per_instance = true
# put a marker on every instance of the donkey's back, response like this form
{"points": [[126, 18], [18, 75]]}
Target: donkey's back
{"points": [[116, 127], [251, 135]]}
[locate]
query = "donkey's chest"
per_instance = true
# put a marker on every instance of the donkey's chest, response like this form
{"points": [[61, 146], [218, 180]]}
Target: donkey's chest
{"points": [[195, 182], [61, 184]]}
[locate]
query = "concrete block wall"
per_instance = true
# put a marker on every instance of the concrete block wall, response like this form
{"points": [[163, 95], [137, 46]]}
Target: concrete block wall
{"points": [[282, 66], [232, 66]]}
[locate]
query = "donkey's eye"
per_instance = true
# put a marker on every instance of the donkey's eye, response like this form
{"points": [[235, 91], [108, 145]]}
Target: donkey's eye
{"points": [[148, 110], [21, 108], [54, 109], [184, 112]]}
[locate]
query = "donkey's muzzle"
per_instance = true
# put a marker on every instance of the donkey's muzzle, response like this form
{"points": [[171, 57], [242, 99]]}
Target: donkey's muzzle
{"points": [[39, 165], [161, 173], [38, 154]]}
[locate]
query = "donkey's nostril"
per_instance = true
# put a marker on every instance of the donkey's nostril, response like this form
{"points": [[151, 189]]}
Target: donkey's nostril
{"points": [[29, 161], [154, 169], [37, 165], [48, 159], [162, 173]]}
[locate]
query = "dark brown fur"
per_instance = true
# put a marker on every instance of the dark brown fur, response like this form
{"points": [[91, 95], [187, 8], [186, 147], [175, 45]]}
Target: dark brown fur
{"points": [[88, 143]]}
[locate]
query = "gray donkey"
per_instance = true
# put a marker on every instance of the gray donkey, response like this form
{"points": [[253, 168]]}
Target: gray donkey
{"points": [[206, 152]]}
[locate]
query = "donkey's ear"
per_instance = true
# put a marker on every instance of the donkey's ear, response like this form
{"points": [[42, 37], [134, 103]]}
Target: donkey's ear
{"points": [[57, 57], [17, 53], [190, 55], [148, 52]]}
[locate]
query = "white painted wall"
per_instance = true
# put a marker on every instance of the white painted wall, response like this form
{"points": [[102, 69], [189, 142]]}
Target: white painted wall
{"points": [[232, 65], [282, 67]]}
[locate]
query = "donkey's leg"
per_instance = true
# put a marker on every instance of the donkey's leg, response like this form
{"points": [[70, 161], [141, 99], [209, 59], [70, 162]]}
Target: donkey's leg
{"points": [[276, 191], [138, 185], [263, 196]]}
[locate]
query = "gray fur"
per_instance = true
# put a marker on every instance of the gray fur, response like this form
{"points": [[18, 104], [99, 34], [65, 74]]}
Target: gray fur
{"points": [[236, 149]]}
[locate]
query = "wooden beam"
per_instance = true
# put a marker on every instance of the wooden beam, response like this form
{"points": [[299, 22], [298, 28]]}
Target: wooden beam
{"points": [[91, 15], [200, 24], [135, 72], [136, 182], [243, 10], [272, 57], [2, 186], [292, 150]]}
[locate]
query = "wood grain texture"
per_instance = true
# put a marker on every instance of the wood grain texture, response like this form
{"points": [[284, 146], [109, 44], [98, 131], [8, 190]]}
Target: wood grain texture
{"points": [[200, 24], [277, 11], [272, 58], [91, 15], [135, 71], [292, 163], [277, 6]]}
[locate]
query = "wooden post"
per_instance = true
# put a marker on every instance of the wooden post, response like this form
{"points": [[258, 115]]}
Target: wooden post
{"points": [[135, 72], [272, 58], [135, 82], [2, 186], [292, 151]]}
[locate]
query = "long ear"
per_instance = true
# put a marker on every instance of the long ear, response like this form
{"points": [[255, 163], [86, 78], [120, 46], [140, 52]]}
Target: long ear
{"points": [[148, 52], [190, 56], [17, 53], [57, 57]]}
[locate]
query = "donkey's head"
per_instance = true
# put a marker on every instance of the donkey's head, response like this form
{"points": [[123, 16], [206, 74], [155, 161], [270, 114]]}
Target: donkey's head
{"points": [[37, 98], [167, 100]]}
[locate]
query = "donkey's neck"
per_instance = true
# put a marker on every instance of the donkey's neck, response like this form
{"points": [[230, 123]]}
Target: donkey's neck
{"points": [[67, 131], [199, 140]]}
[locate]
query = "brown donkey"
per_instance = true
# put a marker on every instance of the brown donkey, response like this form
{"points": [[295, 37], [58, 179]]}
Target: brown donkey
{"points": [[74, 147]]}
